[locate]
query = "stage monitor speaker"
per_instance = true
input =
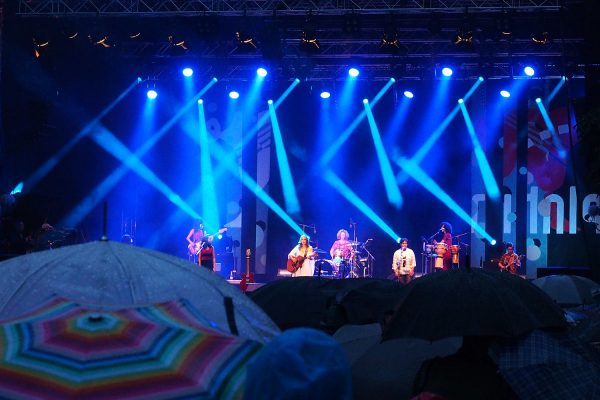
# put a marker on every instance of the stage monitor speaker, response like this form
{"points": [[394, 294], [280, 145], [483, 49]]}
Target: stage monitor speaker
{"points": [[580, 271]]}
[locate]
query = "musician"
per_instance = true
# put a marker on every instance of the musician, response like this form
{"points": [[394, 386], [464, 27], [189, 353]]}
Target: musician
{"points": [[510, 261], [303, 253], [341, 247], [404, 263], [207, 257], [444, 235], [194, 239]]}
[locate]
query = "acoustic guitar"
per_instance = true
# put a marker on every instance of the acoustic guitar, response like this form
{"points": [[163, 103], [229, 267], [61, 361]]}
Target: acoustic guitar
{"points": [[294, 263], [247, 277]]}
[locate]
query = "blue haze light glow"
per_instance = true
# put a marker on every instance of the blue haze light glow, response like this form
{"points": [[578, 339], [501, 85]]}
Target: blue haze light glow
{"points": [[17, 188], [263, 119], [391, 188], [437, 133], [99, 192], [491, 186], [357, 202], [210, 206], [335, 147], [562, 152], [292, 206], [555, 91], [52, 161], [421, 177]]}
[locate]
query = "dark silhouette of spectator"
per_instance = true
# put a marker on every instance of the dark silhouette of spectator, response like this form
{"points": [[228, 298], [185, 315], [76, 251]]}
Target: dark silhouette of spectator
{"points": [[469, 374]]}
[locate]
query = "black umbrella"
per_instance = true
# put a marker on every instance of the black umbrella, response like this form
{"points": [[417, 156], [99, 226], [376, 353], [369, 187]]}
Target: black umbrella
{"points": [[472, 302], [327, 304]]}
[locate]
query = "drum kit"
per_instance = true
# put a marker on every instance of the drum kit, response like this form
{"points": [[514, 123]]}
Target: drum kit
{"points": [[353, 262]]}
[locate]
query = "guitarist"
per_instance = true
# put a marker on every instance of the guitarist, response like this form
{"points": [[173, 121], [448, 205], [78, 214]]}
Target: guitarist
{"points": [[194, 239], [510, 261], [301, 258]]}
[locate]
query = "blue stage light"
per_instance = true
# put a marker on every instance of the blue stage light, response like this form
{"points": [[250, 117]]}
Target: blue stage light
{"points": [[538, 100], [529, 71], [353, 72], [505, 93], [493, 242], [365, 101], [200, 101], [325, 95], [234, 95], [408, 94], [151, 94], [261, 72], [187, 72], [460, 101], [269, 101], [447, 72]]}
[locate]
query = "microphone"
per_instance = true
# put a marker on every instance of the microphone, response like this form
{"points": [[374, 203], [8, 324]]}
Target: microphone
{"points": [[350, 223], [314, 229]]}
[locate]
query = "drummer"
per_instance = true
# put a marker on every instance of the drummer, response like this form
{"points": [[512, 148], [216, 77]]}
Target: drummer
{"points": [[341, 251], [444, 235]]}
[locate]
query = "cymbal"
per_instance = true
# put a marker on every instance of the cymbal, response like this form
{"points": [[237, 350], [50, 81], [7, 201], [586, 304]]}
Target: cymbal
{"points": [[319, 251], [355, 243]]}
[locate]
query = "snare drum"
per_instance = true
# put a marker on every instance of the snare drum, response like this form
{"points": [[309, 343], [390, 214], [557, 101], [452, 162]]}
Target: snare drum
{"points": [[454, 249], [440, 250]]}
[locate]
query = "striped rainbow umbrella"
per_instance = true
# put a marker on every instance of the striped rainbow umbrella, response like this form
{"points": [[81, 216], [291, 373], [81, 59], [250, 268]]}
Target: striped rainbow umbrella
{"points": [[65, 350]]}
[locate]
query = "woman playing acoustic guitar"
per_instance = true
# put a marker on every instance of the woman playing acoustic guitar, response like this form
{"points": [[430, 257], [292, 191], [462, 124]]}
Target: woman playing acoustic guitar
{"points": [[301, 258]]}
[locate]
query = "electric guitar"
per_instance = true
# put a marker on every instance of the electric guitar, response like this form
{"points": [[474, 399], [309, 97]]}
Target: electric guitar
{"points": [[509, 263], [247, 277], [294, 263], [195, 247]]}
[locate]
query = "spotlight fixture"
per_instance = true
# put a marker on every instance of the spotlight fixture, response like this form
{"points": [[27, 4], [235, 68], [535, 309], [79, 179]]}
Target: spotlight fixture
{"points": [[447, 72], [505, 94], [504, 24], [351, 23], [353, 72], [325, 95], [187, 72], [540, 38], [464, 33], [261, 72], [151, 94], [529, 71], [309, 40], [408, 94], [39, 45], [234, 95], [463, 38], [100, 41], [245, 41], [177, 42], [389, 39]]}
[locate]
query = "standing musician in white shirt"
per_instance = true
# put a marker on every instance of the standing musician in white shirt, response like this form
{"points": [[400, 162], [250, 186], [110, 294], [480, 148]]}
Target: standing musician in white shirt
{"points": [[404, 263]]}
